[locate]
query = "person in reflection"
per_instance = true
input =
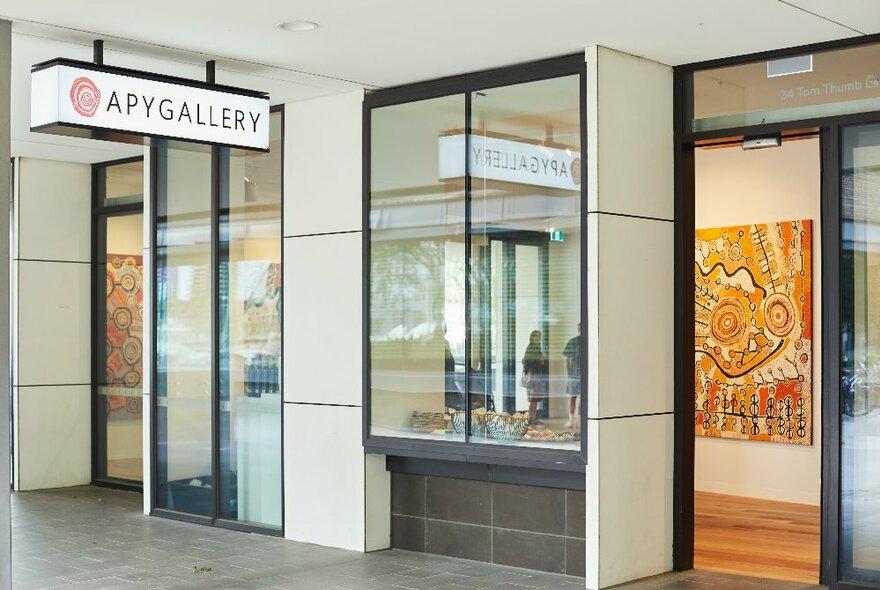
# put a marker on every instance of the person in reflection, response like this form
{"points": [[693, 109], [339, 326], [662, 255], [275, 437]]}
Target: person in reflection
{"points": [[572, 353], [453, 398], [534, 370]]}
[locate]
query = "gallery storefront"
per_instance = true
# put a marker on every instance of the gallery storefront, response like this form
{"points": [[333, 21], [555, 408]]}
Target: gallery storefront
{"points": [[488, 338], [187, 305]]}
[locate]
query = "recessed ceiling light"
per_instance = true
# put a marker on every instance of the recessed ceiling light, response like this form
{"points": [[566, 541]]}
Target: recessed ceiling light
{"points": [[297, 26]]}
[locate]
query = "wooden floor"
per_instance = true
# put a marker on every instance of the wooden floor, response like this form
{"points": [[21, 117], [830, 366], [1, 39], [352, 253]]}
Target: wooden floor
{"points": [[761, 538]]}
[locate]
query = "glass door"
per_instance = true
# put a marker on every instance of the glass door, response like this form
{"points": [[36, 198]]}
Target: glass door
{"points": [[513, 306], [183, 384], [218, 335], [118, 323], [860, 356]]}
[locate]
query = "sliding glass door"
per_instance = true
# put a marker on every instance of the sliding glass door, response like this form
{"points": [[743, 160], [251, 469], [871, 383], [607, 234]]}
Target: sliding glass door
{"points": [[185, 476], [860, 356], [218, 335]]}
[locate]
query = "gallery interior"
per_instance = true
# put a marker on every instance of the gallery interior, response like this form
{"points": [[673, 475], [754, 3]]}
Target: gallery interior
{"points": [[757, 494]]}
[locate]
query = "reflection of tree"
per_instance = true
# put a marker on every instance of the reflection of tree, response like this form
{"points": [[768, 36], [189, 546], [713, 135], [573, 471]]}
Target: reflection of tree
{"points": [[407, 285]]}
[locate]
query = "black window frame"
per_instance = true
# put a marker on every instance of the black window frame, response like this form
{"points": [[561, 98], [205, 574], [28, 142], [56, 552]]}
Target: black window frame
{"points": [[557, 460]]}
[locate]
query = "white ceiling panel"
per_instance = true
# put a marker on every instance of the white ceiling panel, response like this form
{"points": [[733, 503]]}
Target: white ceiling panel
{"points": [[375, 43], [861, 15], [389, 42]]}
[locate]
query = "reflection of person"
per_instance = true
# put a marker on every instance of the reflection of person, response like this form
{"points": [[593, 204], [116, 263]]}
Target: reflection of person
{"points": [[534, 365], [452, 400], [572, 353], [452, 397]]}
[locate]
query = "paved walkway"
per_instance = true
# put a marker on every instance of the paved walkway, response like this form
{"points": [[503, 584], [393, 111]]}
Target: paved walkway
{"points": [[99, 539]]}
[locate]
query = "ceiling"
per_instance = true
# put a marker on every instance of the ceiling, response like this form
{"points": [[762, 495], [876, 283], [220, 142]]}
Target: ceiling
{"points": [[379, 43]]}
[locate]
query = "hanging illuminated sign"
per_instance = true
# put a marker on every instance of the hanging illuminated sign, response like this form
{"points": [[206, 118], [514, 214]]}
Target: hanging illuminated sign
{"points": [[494, 158], [102, 102]]}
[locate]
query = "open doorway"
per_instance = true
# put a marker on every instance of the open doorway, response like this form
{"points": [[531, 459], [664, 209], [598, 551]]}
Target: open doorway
{"points": [[758, 457]]}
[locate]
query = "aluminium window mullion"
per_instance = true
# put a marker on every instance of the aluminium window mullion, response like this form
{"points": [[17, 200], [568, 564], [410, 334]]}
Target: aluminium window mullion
{"points": [[467, 267]]}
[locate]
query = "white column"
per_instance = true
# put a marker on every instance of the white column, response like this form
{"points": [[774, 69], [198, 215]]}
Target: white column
{"points": [[5, 383], [630, 321], [51, 344], [334, 494]]}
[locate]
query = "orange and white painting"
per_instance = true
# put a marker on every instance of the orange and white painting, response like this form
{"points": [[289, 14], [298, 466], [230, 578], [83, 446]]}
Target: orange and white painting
{"points": [[753, 313]]}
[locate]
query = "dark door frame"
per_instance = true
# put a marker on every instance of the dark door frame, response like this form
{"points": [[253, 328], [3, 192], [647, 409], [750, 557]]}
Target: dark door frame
{"points": [[685, 141], [100, 213], [509, 240], [219, 184]]}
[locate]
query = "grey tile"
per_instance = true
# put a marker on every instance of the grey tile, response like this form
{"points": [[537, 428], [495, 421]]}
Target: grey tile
{"points": [[575, 514], [458, 500], [408, 494], [111, 544], [408, 532], [575, 557], [528, 508], [529, 550], [458, 540]]}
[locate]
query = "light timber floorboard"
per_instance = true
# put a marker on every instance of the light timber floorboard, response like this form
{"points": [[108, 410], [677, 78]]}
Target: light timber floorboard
{"points": [[748, 536]]}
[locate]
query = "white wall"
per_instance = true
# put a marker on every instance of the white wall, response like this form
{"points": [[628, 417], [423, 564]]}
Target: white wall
{"points": [[52, 313], [737, 187], [630, 321], [334, 494]]}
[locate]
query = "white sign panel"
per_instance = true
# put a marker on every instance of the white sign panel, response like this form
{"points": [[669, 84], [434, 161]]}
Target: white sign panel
{"points": [[510, 161], [66, 95]]}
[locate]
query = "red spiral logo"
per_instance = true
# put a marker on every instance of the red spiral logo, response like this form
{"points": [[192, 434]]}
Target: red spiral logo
{"points": [[85, 96]]}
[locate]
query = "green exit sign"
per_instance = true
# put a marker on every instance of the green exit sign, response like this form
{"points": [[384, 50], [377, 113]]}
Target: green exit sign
{"points": [[557, 236]]}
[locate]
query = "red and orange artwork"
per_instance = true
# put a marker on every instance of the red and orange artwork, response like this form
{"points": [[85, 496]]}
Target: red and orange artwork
{"points": [[754, 330], [124, 350]]}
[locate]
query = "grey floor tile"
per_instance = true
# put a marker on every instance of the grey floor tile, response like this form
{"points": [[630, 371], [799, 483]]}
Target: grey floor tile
{"points": [[68, 539]]}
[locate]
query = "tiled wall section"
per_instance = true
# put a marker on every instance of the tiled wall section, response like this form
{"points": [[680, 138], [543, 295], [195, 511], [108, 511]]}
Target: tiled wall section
{"points": [[523, 526]]}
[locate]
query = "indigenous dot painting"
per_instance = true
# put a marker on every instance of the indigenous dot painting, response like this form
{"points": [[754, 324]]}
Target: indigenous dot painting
{"points": [[753, 361], [124, 349]]}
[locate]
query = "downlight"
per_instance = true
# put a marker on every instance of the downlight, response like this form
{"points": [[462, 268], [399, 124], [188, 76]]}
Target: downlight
{"points": [[297, 26]]}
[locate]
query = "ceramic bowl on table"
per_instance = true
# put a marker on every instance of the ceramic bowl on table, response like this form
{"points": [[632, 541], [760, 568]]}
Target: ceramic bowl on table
{"points": [[478, 422], [507, 427]]}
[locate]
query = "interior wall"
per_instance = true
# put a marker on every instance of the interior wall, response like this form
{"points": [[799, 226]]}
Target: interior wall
{"points": [[738, 187], [51, 345]]}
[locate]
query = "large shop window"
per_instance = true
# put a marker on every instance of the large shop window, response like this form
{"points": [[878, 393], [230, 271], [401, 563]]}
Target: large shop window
{"points": [[475, 268]]}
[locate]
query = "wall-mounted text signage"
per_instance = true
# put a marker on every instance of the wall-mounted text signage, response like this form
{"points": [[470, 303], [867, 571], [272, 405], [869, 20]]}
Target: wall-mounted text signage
{"points": [[493, 158], [88, 100]]}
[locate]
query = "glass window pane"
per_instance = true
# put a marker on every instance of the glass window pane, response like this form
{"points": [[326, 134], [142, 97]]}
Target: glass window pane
{"points": [[524, 157], [860, 355], [120, 320], [812, 85], [250, 337], [183, 339], [417, 270], [121, 184]]}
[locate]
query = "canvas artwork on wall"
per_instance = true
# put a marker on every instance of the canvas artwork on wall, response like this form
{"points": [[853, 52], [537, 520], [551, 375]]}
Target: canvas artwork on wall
{"points": [[124, 349], [753, 313]]}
